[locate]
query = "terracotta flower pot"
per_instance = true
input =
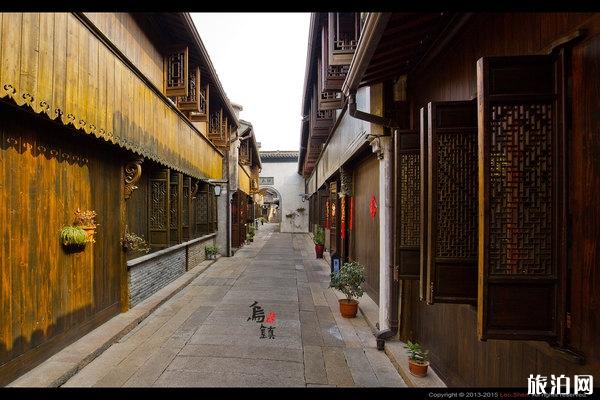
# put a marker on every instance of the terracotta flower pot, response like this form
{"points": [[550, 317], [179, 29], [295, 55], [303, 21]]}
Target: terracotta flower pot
{"points": [[418, 368], [348, 308], [319, 250], [89, 233]]}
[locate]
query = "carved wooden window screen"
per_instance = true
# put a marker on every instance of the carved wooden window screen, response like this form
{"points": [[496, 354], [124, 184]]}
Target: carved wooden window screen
{"points": [[452, 202], [158, 206], [521, 188], [344, 31], [176, 72], [192, 101], [407, 196]]}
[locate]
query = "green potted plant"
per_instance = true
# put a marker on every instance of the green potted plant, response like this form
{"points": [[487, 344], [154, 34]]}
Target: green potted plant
{"points": [[319, 239], [417, 359], [250, 234], [349, 281], [73, 239], [211, 252]]}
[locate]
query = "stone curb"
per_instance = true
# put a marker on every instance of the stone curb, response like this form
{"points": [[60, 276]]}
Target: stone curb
{"points": [[59, 368]]}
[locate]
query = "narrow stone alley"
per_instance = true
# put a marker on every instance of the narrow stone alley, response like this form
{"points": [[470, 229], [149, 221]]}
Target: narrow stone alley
{"points": [[202, 336]]}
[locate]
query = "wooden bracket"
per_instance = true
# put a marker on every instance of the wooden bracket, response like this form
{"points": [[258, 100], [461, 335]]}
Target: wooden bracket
{"points": [[133, 173]]}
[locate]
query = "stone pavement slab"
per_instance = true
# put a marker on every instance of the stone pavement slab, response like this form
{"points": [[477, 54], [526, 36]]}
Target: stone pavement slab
{"points": [[202, 337]]}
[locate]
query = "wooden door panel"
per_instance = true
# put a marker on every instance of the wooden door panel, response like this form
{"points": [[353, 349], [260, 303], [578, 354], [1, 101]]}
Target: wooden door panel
{"points": [[158, 208], [365, 229]]}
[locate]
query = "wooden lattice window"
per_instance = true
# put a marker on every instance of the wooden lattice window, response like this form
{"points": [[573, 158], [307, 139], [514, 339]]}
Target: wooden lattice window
{"points": [[158, 208], [452, 202], [344, 31], [408, 189], [176, 72], [192, 101], [521, 188]]}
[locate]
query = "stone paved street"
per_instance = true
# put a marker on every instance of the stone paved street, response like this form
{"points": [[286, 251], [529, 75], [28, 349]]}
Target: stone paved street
{"points": [[201, 337]]}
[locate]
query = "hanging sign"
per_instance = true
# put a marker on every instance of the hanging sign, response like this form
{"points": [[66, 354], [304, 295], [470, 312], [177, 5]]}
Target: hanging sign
{"points": [[373, 207]]}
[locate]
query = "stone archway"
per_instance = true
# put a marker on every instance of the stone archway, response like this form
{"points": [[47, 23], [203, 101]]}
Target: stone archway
{"points": [[272, 203]]}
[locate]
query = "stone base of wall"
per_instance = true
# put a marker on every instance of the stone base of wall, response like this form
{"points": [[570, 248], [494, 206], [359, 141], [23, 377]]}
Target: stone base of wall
{"points": [[152, 272]]}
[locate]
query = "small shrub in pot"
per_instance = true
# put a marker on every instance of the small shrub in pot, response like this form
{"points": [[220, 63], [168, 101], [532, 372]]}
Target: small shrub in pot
{"points": [[349, 281]]}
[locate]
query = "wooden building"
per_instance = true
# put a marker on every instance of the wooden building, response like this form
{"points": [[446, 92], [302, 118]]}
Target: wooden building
{"points": [[246, 168], [102, 112], [484, 183]]}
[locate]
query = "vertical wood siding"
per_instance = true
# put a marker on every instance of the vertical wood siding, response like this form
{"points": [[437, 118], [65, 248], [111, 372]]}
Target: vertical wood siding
{"points": [[46, 294], [53, 64]]}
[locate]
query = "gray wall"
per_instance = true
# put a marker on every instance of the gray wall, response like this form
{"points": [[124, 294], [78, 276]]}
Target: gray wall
{"points": [[289, 184], [148, 274]]}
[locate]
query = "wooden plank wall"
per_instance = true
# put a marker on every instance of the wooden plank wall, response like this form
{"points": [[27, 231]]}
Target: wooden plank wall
{"points": [[448, 330], [124, 32], [48, 297], [54, 64]]}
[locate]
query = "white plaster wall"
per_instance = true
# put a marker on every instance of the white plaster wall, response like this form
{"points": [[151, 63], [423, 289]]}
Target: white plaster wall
{"points": [[289, 184]]}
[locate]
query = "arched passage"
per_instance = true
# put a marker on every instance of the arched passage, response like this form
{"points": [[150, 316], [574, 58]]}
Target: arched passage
{"points": [[272, 203]]}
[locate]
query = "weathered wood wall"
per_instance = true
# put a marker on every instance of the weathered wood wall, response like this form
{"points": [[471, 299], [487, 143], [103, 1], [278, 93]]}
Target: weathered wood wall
{"points": [[48, 297], [449, 330], [243, 180], [54, 64]]}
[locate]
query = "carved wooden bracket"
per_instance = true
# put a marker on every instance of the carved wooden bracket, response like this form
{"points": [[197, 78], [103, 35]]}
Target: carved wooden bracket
{"points": [[195, 190], [133, 172]]}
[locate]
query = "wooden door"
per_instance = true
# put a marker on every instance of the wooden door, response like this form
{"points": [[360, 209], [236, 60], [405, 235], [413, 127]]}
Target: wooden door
{"points": [[365, 228], [452, 202], [158, 208], [235, 220], [334, 216]]}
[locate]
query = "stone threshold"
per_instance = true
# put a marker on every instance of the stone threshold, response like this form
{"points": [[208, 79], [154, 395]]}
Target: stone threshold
{"points": [[394, 349], [60, 367]]}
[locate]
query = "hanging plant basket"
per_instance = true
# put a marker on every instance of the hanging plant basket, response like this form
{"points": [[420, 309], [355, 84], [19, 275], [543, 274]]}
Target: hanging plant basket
{"points": [[73, 239]]}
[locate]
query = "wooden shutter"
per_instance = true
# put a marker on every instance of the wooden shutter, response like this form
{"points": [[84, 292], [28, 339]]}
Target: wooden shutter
{"points": [[176, 72], [423, 175], [520, 193], [175, 197], [191, 102], [202, 209], [452, 202], [407, 204], [158, 208]]}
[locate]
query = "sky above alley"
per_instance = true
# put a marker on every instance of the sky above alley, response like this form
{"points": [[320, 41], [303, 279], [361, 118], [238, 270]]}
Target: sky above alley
{"points": [[260, 59]]}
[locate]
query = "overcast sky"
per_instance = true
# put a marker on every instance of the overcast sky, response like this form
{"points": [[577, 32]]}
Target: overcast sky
{"points": [[260, 59]]}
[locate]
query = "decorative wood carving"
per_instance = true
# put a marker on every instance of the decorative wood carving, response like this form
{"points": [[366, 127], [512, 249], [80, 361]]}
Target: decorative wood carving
{"points": [[133, 173]]}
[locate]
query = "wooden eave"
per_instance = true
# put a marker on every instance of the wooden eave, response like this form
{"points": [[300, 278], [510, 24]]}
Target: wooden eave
{"points": [[167, 29]]}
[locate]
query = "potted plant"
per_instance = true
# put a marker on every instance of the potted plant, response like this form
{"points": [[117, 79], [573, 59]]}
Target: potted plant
{"points": [[73, 239], [87, 221], [211, 252], [134, 243], [251, 233], [417, 359], [319, 239], [348, 281]]}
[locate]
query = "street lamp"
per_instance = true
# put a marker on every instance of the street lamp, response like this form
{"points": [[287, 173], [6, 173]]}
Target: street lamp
{"points": [[217, 190]]}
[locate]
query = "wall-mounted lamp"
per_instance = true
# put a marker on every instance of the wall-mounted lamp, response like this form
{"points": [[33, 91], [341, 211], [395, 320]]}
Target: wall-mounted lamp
{"points": [[217, 190]]}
